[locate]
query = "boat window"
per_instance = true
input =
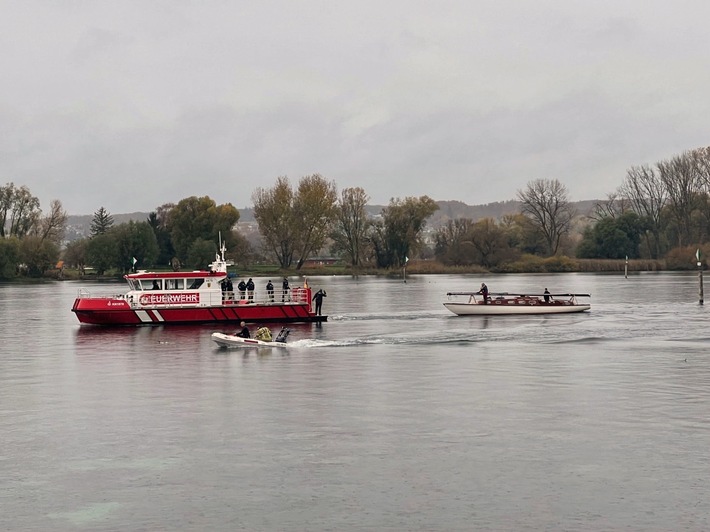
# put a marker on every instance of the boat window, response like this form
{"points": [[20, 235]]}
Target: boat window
{"points": [[151, 284], [174, 284], [196, 284]]}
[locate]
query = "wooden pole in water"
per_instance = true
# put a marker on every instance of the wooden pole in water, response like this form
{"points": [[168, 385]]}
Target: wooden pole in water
{"points": [[626, 268], [700, 276]]}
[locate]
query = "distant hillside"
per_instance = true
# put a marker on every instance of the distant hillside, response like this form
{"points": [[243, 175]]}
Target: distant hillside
{"points": [[452, 210], [79, 226]]}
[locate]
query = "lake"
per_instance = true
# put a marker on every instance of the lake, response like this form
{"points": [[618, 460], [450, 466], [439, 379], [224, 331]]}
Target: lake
{"points": [[393, 415]]}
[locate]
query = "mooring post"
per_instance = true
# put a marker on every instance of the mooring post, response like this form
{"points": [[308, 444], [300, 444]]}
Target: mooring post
{"points": [[626, 268], [700, 276]]}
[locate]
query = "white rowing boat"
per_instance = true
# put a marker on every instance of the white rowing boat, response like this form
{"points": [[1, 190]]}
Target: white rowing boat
{"points": [[504, 303]]}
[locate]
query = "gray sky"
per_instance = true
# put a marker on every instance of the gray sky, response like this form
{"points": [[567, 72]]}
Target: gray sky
{"points": [[132, 104]]}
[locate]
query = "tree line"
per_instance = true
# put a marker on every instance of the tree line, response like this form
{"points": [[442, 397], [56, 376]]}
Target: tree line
{"points": [[660, 211], [294, 223], [30, 242], [656, 211]]}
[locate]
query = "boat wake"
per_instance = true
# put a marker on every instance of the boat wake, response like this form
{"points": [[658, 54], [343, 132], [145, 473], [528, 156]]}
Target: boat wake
{"points": [[462, 338], [582, 340], [406, 316]]}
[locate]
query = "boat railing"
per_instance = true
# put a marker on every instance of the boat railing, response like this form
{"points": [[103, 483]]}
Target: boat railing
{"points": [[296, 295], [517, 298], [84, 293], [516, 294]]}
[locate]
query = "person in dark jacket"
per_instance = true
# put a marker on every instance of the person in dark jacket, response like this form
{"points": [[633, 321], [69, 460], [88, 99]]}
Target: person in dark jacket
{"points": [[484, 292], [250, 289], [284, 294], [242, 287], [244, 333], [270, 290], [318, 298]]}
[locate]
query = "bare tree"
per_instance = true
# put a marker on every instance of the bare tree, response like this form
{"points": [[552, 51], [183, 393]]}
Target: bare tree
{"points": [[614, 205], [681, 180], [701, 160], [351, 224], [646, 193], [52, 226], [545, 203]]}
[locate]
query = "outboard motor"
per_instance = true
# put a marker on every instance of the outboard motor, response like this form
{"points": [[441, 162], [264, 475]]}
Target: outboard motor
{"points": [[283, 334]]}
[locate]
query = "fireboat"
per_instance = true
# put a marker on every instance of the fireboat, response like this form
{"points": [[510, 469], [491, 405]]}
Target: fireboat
{"points": [[162, 298]]}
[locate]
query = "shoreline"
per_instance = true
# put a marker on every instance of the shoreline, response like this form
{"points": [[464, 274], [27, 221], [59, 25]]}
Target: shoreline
{"points": [[417, 267]]}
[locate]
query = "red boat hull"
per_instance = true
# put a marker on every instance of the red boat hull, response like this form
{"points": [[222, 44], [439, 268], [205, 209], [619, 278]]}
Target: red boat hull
{"points": [[102, 311]]}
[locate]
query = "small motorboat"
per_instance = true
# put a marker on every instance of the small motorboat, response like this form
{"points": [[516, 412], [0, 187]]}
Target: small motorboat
{"points": [[504, 303], [262, 339]]}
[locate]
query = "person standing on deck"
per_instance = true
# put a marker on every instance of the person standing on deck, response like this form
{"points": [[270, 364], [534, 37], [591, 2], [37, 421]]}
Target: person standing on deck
{"points": [[546, 295], [250, 289], [318, 298], [242, 287], [270, 290], [284, 294], [484, 292]]}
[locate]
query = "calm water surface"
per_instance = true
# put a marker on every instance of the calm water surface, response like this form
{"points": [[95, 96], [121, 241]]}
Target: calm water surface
{"points": [[393, 415]]}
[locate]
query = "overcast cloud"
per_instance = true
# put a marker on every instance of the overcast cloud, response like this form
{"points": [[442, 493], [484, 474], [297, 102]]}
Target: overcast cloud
{"points": [[132, 104]]}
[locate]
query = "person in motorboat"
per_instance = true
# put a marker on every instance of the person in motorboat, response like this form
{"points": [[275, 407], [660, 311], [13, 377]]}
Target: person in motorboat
{"points": [[546, 295], [484, 292], [244, 333], [263, 334]]}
